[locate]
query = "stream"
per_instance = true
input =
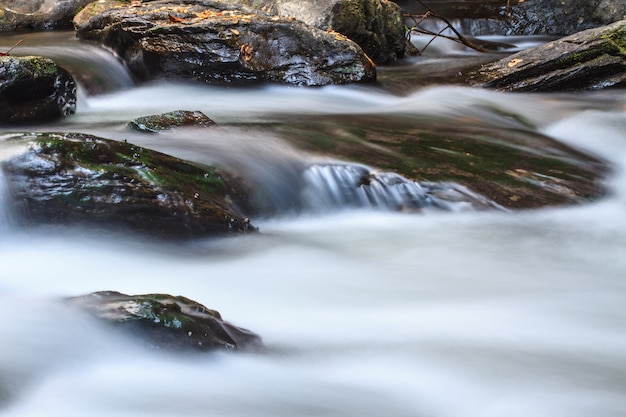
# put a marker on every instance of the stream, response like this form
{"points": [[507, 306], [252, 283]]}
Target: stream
{"points": [[364, 312]]}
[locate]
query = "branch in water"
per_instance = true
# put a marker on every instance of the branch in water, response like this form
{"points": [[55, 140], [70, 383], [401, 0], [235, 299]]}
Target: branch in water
{"points": [[11, 48], [418, 19]]}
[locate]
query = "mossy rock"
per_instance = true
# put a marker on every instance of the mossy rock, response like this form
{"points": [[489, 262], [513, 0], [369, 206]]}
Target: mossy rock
{"points": [[515, 168], [82, 179], [167, 322], [34, 89], [589, 60], [159, 122]]}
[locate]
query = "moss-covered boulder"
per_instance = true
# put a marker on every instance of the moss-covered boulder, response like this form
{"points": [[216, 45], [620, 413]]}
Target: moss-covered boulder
{"points": [[167, 322], [82, 179], [223, 42], [34, 89], [376, 25], [589, 60], [513, 167], [158, 122]]}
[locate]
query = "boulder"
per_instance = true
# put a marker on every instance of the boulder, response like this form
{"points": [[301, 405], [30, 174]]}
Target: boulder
{"points": [[157, 122], [167, 322], [559, 17], [39, 14], [34, 89], [376, 25], [589, 60], [219, 42], [443, 164], [63, 179], [528, 17]]}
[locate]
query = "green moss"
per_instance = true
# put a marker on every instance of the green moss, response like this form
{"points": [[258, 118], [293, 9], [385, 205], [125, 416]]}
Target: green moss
{"points": [[502, 165], [113, 159]]}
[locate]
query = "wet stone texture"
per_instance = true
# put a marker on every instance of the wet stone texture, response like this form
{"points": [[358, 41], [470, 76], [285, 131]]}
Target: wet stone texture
{"points": [[86, 180], [165, 121], [34, 89], [221, 42], [168, 322], [515, 168], [589, 60]]}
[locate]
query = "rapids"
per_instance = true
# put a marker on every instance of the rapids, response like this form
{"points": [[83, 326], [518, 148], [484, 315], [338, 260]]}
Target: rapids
{"points": [[363, 312]]}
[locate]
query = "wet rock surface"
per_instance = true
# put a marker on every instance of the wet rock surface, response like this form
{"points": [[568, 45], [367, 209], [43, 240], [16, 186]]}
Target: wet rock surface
{"points": [[168, 322], [34, 89], [222, 42], [513, 167], [158, 122], [86, 180], [38, 14], [589, 60], [559, 17], [376, 25]]}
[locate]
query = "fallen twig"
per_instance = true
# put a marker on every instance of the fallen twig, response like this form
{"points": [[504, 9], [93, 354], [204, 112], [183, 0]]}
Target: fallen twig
{"points": [[11, 48], [418, 19]]}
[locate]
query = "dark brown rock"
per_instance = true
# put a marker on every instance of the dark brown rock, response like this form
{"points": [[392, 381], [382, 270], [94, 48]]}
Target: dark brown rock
{"points": [[221, 42], [167, 322], [34, 89], [158, 122], [589, 60], [81, 179]]}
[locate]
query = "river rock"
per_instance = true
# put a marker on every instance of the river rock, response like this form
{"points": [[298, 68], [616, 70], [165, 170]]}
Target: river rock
{"points": [[167, 322], [157, 122], [222, 42], [38, 14], [528, 17], [34, 89], [62, 179], [446, 165], [558, 17], [376, 25], [589, 60]]}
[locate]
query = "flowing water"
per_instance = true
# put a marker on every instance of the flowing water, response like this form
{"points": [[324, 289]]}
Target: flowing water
{"points": [[364, 312]]}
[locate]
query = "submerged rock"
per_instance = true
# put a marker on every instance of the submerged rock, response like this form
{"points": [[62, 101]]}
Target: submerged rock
{"points": [[376, 25], [39, 14], [82, 179], [223, 42], [158, 122], [168, 322], [34, 89], [589, 60], [442, 163]]}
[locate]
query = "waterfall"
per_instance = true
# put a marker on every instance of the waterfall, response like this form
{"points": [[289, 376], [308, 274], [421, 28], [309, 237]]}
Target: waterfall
{"points": [[334, 186]]}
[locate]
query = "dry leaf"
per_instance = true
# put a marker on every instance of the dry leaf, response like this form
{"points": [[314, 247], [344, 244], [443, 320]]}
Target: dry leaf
{"points": [[245, 52], [175, 19], [514, 62]]}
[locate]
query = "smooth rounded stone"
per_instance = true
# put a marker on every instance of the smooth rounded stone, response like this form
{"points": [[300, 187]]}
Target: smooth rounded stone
{"points": [[376, 25], [589, 60], [167, 322], [225, 43], [38, 14], [34, 89], [158, 122], [77, 179]]}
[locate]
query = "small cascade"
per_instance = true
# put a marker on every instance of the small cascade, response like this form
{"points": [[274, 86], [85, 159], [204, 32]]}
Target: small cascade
{"points": [[336, 186], [95, 68]]}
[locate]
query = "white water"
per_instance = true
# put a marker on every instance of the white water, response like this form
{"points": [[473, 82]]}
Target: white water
{"points": [[480, 314]]}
